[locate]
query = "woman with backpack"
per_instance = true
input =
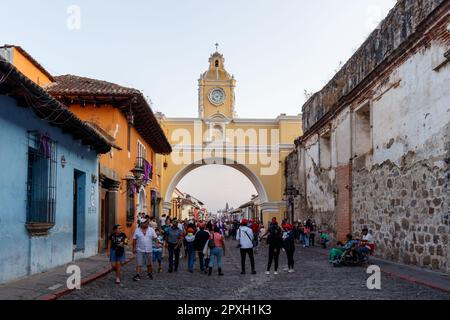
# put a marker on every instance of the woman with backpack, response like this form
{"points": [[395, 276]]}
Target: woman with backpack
{"points": [[275, 242]]}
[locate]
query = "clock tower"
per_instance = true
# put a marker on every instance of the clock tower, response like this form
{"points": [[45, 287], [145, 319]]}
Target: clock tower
{"points": [[216, 90]]}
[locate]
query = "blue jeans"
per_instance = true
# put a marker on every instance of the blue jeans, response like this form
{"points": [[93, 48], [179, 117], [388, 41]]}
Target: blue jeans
{"points": [[305, 240], [217, 252], [191, 260]]}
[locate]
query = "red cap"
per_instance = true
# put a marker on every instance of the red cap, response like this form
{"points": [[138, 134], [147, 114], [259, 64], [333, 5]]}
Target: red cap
{"points": [[244, 221], [288, 226]]}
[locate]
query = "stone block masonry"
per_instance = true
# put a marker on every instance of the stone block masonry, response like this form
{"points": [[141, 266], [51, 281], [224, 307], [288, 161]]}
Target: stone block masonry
{"points": [[407, 209], [376, 150]]}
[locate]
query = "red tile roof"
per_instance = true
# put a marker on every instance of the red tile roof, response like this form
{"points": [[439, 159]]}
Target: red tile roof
{"points": [[70, 84], [28, 94], [74, 89]]}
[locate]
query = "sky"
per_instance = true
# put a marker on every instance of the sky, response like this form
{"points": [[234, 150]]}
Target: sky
{"points": [[275, 49]]}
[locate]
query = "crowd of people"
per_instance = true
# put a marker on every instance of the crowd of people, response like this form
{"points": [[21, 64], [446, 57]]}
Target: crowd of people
{"points": [[205, 241]]}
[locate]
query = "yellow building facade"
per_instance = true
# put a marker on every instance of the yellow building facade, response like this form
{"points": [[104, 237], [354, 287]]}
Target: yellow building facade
{"points": [[255, 147]]}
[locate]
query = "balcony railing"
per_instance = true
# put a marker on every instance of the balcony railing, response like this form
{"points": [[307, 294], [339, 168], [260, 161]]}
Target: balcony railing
{"points": [[142, 172]]}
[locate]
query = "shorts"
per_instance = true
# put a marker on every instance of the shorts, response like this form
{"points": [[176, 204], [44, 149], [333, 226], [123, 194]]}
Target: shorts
{"points": [[143, 258], [157, 256], [113, 258]]}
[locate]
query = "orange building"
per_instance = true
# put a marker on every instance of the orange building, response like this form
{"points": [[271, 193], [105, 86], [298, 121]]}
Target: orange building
{"points": [[127, 176], [128, 181]]}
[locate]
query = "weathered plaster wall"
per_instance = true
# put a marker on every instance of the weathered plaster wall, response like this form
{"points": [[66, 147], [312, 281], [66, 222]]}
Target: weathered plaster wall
{"points": [[319, 186], [389, 111], [21, 254], [402, 22], [402, 195]]}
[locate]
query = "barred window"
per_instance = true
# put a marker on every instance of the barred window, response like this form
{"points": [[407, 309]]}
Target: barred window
{"points": [[41, 179]]}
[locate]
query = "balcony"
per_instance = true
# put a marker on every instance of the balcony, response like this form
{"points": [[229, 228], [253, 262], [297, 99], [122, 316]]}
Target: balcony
{"points": [[142, 172]]}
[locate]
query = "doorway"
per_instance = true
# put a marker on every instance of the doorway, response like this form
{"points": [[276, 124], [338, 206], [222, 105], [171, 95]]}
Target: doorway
{"points": [[79, 206]]}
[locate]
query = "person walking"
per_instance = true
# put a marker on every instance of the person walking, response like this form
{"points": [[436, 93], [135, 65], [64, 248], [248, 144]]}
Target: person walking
{"points": [[312, 231], [217, 249], [275, 242], [143, 247], [201, 239], [245, 238], [289, 247], [116, 250], [174, 241], [256, 229], [190, 248], [306, 234], [158, 249], [165, 232]]}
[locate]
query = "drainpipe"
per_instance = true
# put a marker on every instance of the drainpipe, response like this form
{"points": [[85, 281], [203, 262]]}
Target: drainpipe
{"points": [[350, 169]]}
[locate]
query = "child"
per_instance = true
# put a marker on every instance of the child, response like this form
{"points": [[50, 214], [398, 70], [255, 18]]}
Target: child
{"points": [[158, 248], [190, 248]]}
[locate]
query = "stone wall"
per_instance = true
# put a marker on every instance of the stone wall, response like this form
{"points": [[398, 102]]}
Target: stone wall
{"points": [[389, 142], [406, 207]]}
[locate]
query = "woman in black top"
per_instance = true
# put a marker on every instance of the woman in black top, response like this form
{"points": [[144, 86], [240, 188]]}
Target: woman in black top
{"points": [[275, 242], [116, 250]]}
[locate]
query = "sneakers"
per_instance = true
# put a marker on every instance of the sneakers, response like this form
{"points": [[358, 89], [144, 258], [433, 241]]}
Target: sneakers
{"points": [[117, 281], [160, 270], [276, 272], [137, 278], [253, 272], [291, 271], [286, 269], [150, 276], [267, 272]]}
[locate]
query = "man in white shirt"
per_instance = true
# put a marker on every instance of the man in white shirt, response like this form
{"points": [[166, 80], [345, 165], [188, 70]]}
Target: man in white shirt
{"points": [[367, 243], [142, 247], [245, 237], [368, 237]]}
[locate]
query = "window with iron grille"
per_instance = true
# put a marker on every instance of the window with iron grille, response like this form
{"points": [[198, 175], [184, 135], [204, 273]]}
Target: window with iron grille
{"points": [[41, 179]]}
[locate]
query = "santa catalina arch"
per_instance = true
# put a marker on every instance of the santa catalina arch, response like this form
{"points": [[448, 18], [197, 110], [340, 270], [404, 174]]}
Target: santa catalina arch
{"points": [[256, 147]]}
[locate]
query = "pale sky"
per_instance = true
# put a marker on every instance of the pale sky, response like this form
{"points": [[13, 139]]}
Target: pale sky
{"points": [[275, 49]]}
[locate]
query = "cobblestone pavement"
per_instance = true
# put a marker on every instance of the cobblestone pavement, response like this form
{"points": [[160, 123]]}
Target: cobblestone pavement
{"points": [[314, 279]]}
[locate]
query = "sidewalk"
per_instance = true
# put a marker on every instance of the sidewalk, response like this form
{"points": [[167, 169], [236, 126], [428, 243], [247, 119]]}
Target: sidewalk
{"points": [[432, 279], [51, 284]]}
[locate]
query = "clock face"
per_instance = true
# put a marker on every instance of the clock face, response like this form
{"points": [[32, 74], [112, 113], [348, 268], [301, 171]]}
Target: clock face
{"points": [[217, 96]]}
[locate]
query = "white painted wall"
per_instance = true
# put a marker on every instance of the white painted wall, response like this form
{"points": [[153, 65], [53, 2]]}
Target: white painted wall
{"points": [[415, 113]]}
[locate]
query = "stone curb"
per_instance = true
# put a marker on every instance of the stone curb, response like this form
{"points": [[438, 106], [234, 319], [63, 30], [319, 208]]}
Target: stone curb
{"points": [[407, 279], [89, 279], [416, 281]]}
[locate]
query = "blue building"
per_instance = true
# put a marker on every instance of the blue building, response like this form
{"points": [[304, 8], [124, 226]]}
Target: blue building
{"points": [[48, 179]]}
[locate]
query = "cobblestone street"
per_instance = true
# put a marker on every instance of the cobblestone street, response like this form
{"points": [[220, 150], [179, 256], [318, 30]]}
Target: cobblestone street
{"points": [[314, 279]]}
